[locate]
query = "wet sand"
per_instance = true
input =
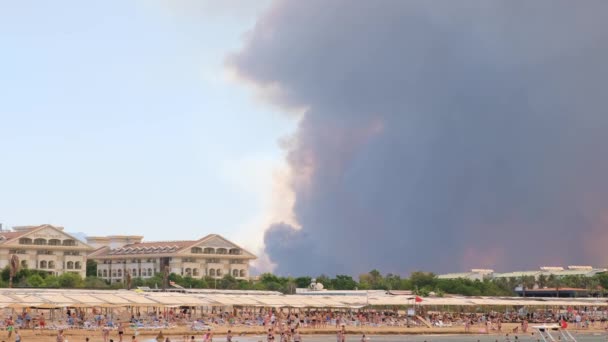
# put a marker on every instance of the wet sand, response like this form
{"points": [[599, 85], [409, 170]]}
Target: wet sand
{"points": [[257, 334]]}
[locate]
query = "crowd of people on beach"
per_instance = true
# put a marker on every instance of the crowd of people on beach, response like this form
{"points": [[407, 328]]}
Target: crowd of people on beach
{"points": [[286, 325]]}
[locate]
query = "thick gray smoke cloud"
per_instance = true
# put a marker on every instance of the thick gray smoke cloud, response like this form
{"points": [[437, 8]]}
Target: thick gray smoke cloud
{"points": [[439, 135]]}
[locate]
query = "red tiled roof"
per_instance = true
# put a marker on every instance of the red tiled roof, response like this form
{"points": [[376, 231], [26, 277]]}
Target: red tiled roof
{"points": [[12, 235]]}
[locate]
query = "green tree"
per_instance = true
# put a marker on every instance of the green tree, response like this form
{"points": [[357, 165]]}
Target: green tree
{"points": [[423, 280], [70, 280], [228, 282], [303, 282], [35, 280], [91, 268], [343, 282]]}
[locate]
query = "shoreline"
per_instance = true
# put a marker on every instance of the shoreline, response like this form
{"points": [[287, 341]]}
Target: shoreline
{"points": [[176, 333]]}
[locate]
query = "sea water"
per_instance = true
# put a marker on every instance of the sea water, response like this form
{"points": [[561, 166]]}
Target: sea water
{"points": [[409, 338]]}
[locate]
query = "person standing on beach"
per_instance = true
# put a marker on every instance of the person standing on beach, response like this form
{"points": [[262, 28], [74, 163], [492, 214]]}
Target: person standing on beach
{"points": [[121, 331], [229, 336], [60, 337]]}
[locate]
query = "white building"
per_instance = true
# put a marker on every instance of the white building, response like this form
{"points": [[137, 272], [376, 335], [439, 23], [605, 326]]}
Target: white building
{"points": [[212, 256], [45, 248]]}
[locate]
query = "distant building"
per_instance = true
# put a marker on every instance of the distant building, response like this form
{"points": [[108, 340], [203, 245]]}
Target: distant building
{"points": [[556, 271], [212, 256], [475, 274], [45, 248]]}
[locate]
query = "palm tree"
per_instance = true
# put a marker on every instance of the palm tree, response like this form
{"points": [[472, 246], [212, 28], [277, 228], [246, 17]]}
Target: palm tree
{"points": [[556, 282], [542, 281], [128, 279], [14, 268], [165, 277], [527, 282]]}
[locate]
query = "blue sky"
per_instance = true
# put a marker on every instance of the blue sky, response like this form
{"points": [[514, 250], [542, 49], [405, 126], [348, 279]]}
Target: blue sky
{"points": [[117, 117]]}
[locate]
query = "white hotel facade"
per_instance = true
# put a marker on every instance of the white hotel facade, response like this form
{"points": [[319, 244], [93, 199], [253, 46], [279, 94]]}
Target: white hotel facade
{"points": [[45, 248], [212, 256]]}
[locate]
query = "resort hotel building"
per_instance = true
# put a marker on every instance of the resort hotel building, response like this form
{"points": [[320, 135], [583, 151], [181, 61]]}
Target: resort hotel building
{"points": [[45, 248], [212, 256], [556, 271]]}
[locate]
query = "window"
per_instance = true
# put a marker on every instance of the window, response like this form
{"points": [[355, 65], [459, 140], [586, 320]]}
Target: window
{"points": [[188, 260], [237, 261], [76, 253], [235, 273], [51, 264], [150, 272], [25, 241], [43, 264], [242, 273], [69, 242], [212, 272], [54, 242], [77, 265], [24, 263], [39, 242], [221, 251], [213, 261], [209, 250], [196, 250], [188, 272], [235, 251], [70, 265], [195, 272], [105, 273], [45, 252], [119, 273], [99, 274], [143, 272], [218, 272], [114, 274]]}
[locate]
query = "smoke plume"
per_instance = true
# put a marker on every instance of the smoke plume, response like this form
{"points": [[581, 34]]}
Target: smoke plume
{"points": [[438, 135]]}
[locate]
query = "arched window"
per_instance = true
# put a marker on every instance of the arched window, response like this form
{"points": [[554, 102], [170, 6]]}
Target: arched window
{"points": [[209, 250], [39, 242], [212, 272], [235, 251], [195, 272], [119, 273], [52, 264], [69, 242], [150, 272], [196, 250], [242, 273], [77, 265], [25, 241], [134, 272], [221, 251], [70, 265], [218, 272], [235, 273], [54, 242], [105, 273], [43, 264], [99, 273]]}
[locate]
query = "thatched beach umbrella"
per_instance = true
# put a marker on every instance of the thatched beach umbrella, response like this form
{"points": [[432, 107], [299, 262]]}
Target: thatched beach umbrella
{"points": [[14, 268]]}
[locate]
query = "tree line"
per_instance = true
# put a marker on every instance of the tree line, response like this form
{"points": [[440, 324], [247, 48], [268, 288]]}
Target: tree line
{"points": [[421, 283]]}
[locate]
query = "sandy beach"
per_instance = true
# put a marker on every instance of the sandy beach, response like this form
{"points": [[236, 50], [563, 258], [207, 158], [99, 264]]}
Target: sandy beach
{"points": [[176, 334]]}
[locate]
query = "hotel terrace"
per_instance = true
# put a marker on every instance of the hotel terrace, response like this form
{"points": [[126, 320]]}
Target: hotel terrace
{"points": [[212, 256], [45, 248]]}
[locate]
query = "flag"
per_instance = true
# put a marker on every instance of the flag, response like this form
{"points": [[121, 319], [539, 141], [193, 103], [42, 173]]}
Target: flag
{"points": [[418, 299]]}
